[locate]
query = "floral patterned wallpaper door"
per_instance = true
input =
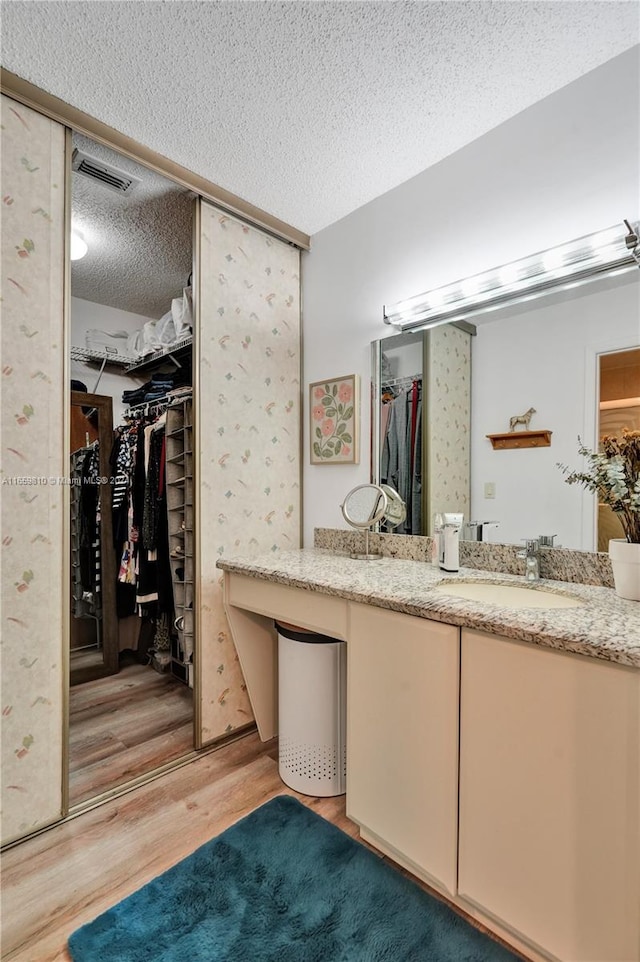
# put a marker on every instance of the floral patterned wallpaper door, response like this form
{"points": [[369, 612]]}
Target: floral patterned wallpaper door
{"points": [[248, 429], [449, 384], [33, 499]]}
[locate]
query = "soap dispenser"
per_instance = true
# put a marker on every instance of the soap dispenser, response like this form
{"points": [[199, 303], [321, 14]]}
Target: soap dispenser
{"points": [[450, 542]]}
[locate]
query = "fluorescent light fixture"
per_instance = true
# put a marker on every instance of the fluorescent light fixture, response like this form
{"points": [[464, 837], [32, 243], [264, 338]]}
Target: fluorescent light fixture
{"points": [[78, 245], [606, 252]]}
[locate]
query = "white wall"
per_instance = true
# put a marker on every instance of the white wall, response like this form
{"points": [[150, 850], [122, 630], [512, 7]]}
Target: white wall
{"points": [[405, 358], [87, 316], [563, 168]]}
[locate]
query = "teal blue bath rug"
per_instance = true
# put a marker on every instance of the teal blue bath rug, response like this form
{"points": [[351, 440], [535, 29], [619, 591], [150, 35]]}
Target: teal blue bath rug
{"points": [[282, 885]]}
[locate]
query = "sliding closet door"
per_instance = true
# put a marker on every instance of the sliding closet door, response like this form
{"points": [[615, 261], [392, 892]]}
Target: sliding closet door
{"points": [[32, 417], [447, 379], [248, 430]]}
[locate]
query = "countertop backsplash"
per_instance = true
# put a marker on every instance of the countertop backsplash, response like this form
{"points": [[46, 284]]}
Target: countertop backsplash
{"points": [[556, 564]]}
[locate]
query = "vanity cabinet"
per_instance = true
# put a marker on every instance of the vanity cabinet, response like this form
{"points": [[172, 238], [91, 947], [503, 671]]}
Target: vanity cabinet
{"points": [[402, 738], [549, 839], [504, 774]]}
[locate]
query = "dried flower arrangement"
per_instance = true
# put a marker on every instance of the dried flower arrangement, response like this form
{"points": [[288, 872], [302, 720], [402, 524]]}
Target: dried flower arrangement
{"points": [[614, 475]]}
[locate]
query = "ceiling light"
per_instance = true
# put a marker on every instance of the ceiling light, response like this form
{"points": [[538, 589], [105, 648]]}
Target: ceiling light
{"points": [[614, 250], [78, 245]]}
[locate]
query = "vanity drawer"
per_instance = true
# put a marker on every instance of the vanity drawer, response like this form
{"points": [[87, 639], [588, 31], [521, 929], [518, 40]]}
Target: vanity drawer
{"points": [[308, 609]]}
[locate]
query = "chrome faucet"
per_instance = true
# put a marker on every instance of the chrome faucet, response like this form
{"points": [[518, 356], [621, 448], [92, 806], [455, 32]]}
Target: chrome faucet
{"points": [[478, 530], [546, 540], [531, 559]]}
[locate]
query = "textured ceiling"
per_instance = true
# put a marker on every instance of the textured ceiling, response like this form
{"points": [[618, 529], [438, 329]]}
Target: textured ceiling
{"points": [[139, 243], [309, 109]]}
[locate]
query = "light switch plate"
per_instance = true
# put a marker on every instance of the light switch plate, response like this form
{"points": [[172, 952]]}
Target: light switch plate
{"points": [[489, 489]]}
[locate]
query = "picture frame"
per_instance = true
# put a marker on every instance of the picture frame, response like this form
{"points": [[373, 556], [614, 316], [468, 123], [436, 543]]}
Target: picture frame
{"points": [[334, 420]]}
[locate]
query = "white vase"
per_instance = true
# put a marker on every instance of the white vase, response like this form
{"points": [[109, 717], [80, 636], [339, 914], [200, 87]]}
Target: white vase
{"points": [[625, 561]]}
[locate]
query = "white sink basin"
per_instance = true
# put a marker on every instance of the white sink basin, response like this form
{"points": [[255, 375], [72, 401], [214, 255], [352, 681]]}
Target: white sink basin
{"points": [[509, 596]]}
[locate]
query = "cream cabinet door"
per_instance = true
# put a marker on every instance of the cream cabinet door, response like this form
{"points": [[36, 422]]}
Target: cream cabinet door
{"points": [[550, 796], [402, 738]]}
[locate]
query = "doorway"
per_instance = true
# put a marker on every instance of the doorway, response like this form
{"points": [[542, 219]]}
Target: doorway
{"points": [[619, 409], [132, 664]]}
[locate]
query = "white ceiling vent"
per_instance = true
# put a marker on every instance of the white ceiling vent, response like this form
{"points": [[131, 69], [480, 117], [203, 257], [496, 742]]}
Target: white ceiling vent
{"points": [[107, 175]]}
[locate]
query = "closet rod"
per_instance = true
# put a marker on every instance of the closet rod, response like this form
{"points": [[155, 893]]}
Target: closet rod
{"points": [[156, 406]]}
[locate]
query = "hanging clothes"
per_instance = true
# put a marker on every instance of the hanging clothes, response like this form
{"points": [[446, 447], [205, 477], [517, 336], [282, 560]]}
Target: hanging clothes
{"points": [[401, 461], [157, 586], [89, 525], [416, 459], [396, 453], [154, 435], [123, 462], [385, 411], [144, 585], [85, 534]]}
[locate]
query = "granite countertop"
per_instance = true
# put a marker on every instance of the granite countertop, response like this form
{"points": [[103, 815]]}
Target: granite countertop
{"points": [[605, 626]]}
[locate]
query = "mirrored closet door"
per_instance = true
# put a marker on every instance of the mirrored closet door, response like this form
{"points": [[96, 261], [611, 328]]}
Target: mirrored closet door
{"points": [[81, 718], [132, 665]]}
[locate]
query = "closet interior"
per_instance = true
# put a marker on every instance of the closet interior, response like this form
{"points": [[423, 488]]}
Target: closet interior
{"points": [[132, 656], [401, 427]]}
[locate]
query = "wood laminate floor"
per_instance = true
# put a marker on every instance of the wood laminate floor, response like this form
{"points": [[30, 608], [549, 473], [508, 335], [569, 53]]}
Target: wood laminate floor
{"points": [[57, 881], [125, 725], [85, 658], [63, 878]]}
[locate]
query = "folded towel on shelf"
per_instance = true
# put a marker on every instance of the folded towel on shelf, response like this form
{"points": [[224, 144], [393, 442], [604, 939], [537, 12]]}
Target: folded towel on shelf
{"points": [[134, 397], [107, 342], [154, 395]]}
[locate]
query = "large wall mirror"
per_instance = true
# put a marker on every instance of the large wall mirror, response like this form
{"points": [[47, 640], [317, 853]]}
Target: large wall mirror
{"points": [[552, 355]]}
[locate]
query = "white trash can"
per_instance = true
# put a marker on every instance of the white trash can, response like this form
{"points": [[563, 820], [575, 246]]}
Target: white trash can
{"points": [[312, 698]]}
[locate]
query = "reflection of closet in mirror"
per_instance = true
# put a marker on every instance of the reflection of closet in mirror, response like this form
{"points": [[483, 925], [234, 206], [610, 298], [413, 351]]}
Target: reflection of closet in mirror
{"points": [[423, 418], [619, 408], [131, 323], [401, 426]]}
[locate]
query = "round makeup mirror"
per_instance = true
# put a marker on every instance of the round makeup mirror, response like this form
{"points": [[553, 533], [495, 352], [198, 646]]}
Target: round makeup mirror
{"points": [[363, 507]]}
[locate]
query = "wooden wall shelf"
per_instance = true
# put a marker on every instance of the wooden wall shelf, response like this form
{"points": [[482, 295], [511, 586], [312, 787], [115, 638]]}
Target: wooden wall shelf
{"points": [[521, 439]]}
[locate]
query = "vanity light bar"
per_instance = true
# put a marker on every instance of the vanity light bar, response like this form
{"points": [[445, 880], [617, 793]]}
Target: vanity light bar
{"points": [[610, 251]]}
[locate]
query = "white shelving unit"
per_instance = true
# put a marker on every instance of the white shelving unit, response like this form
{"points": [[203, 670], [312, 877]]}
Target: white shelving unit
{"points": [[179, 479], [100, 357], [175, 353]]}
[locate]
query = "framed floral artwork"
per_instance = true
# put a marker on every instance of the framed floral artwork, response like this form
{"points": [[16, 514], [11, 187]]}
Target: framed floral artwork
{"points": [[334, 407]]}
